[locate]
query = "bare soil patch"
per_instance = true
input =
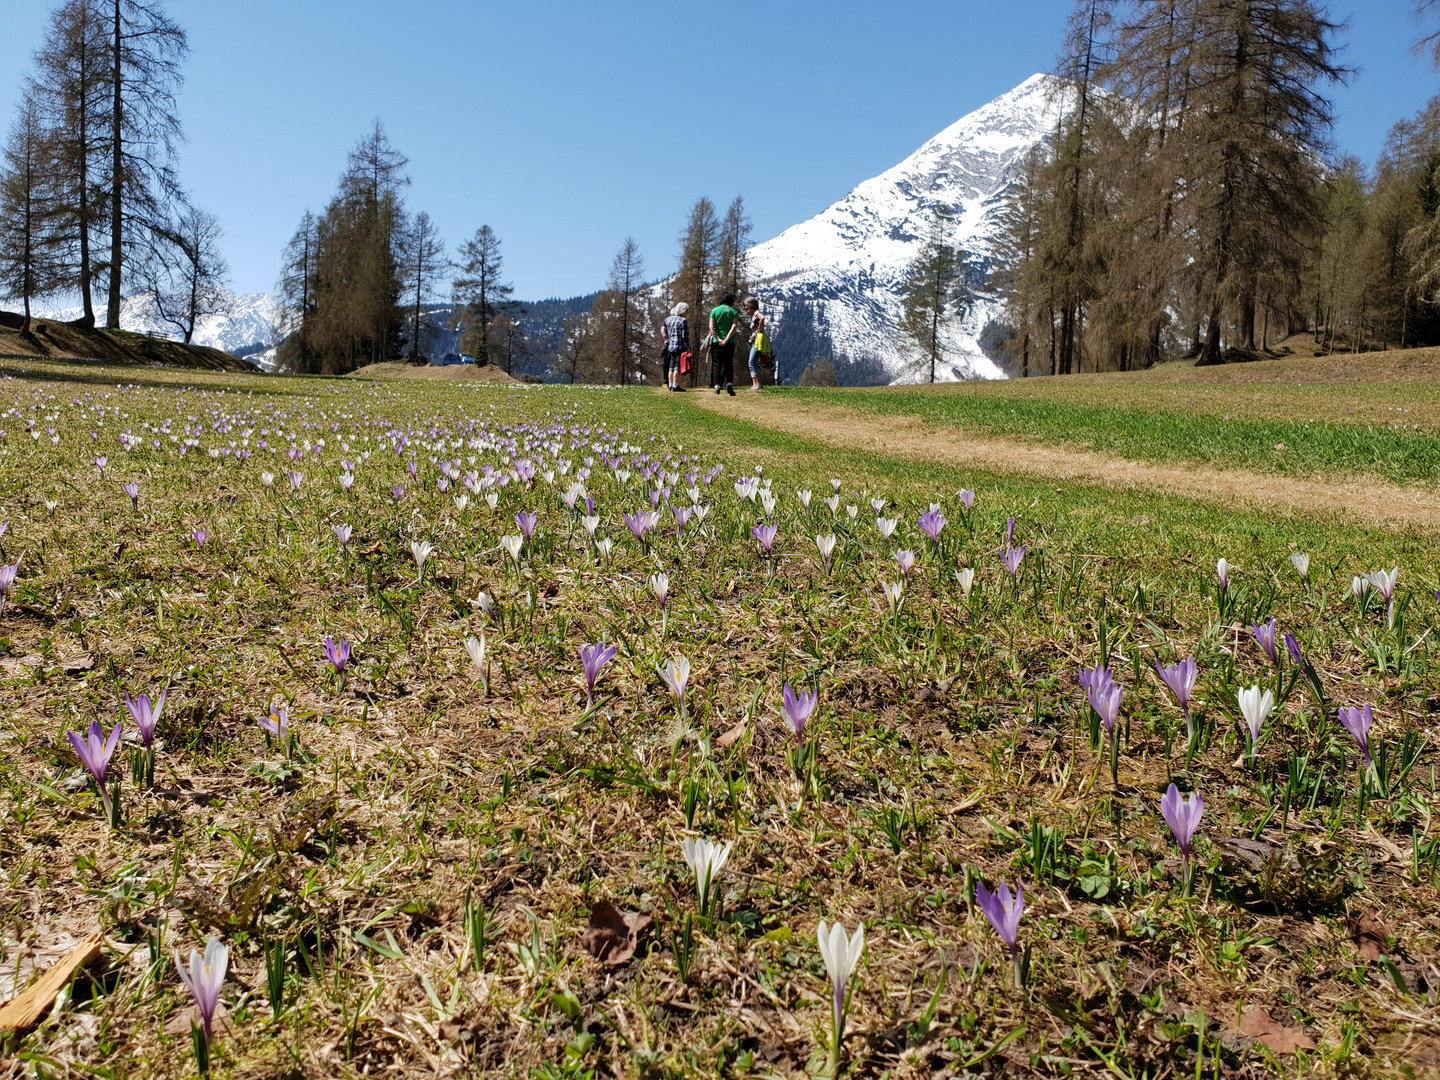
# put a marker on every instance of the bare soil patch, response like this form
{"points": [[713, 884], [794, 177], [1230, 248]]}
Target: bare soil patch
{"points": [[1351, 497], [399, 369]]}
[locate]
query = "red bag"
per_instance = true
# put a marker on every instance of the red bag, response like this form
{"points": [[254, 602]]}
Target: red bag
{"points": [[684, 363]]}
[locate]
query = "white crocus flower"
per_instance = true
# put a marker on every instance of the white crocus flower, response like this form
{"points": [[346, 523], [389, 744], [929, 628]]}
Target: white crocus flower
{"points": [[1301, 564], [834, 484], [461, 502], [513, 544], [604, 546], [804, 497], [1256, 706], [660, 586], [1384, 580], [421, 550], [694, 493], [706, 859], [676, 674], [826, 544], [966, 578], [1359, 586], [768, 501], [833, 502], [877, 504], [701, 513], [885, 526], [841, 954], [268, 479], [894, 594], [852, 512], [476, 648], [493, 498], [590, 522]]}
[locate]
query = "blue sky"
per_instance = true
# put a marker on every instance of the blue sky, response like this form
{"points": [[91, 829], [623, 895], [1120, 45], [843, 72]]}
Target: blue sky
{"points": [[567, 126]]}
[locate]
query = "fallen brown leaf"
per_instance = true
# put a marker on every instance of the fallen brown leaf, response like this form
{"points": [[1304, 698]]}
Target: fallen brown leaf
{"points": [[76, 664], [728, 739], [24, 1011], [614, 935], [1257, 1023], [1368, 934]]}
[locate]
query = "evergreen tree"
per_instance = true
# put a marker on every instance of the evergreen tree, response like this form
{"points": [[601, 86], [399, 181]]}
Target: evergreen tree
{"points": [[621, 312], [30, 265], [73, 94], [480, 294], [424, 262], [929, 288], [295, 297], [146, 50]]}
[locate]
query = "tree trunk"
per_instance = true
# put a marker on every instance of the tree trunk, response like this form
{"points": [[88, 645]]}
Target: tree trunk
{"points": [[1247, 321], [117, 186], [1210, 353]]}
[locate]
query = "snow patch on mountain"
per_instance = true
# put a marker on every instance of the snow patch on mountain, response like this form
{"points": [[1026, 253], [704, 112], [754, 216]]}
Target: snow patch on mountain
{"points": [[246, 329], [834, 283]]}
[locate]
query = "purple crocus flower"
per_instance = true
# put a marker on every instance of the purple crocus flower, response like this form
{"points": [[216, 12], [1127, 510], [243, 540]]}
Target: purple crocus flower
{"points": [[342, 533], [765, 534], [1222, 574], [1004, 913], [682, 516], [798, 709], [932, 522], [967, 499], [526, 521], [100, 463], [1265, 635], [638, 523], [593, 658], [278, 722], [1183, 817], [338, 653], [1180, 678], [96, 750], [906, 559], [146, 715], [204, 981], [296, 479], [133, 490], [1009, 531], [200, 536], [1296, 654], [1011, 557], [1104, 694], [1358, 720], [397, 491]]}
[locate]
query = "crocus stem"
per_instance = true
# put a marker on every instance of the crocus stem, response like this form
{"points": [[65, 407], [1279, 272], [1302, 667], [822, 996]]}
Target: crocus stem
{"points": [[1015, 959], [837, 1032], [1115, 757]]}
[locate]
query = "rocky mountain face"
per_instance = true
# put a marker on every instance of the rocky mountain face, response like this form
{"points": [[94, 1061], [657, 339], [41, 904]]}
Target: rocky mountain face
{"points": [[833, 284]]}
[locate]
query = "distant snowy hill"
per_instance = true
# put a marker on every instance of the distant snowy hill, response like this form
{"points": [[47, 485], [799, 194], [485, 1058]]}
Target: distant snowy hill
{"points": [[832, 284], [248, 330]]}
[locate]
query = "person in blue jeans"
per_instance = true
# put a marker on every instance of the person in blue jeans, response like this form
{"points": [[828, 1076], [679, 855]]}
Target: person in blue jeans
{"points": [[759, 342], [675, 334]]}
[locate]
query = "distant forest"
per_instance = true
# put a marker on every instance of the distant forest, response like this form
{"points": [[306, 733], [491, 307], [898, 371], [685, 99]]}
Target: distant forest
{"points": [[1190, 201]]}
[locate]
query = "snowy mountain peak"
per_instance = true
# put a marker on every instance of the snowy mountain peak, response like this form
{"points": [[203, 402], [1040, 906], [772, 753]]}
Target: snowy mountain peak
{"points": [[833, 283]]}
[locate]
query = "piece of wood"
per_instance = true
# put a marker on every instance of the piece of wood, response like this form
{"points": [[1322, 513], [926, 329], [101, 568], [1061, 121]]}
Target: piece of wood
{"points": [[29, 1007]]}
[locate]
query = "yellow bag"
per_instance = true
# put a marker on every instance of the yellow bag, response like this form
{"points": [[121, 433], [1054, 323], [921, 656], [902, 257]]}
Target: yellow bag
{"points": [[762, 346]]}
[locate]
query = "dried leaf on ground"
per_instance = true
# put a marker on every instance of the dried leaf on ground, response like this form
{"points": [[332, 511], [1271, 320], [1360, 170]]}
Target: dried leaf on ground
{"points": [[728, 739], [1368, 934], [1257, 1024], [614, 935]]}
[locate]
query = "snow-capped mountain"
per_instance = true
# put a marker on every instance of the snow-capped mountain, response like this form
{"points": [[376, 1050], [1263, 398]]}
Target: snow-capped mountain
{"points": [[248, 329], [832, 285]]}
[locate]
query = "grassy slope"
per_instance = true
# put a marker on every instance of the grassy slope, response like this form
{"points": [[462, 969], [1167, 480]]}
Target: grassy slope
{"points": [[1225, 417], [67, 342], [441, 788]]}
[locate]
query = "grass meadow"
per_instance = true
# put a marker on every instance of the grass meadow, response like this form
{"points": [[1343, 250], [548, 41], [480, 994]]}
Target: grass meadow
{"points": [[427, 842]]}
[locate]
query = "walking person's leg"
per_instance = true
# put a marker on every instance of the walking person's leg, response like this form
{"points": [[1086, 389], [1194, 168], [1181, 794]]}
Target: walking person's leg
{"points": [[754, 369], [727, 358]]}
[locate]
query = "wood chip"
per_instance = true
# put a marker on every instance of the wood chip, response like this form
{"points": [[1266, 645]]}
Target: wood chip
{"points": [[24, 1011]]}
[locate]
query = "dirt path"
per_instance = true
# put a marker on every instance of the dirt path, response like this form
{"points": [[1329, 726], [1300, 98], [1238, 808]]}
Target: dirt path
{"points": [[909, 437]]}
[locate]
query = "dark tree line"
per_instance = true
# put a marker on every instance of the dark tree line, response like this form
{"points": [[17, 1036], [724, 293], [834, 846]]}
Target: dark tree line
{"points": [[1185, 196], [357, 281], [90, 196]]}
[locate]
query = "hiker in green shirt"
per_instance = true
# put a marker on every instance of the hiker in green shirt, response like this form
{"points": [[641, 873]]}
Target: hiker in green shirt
{"points": [[723, 325]]}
